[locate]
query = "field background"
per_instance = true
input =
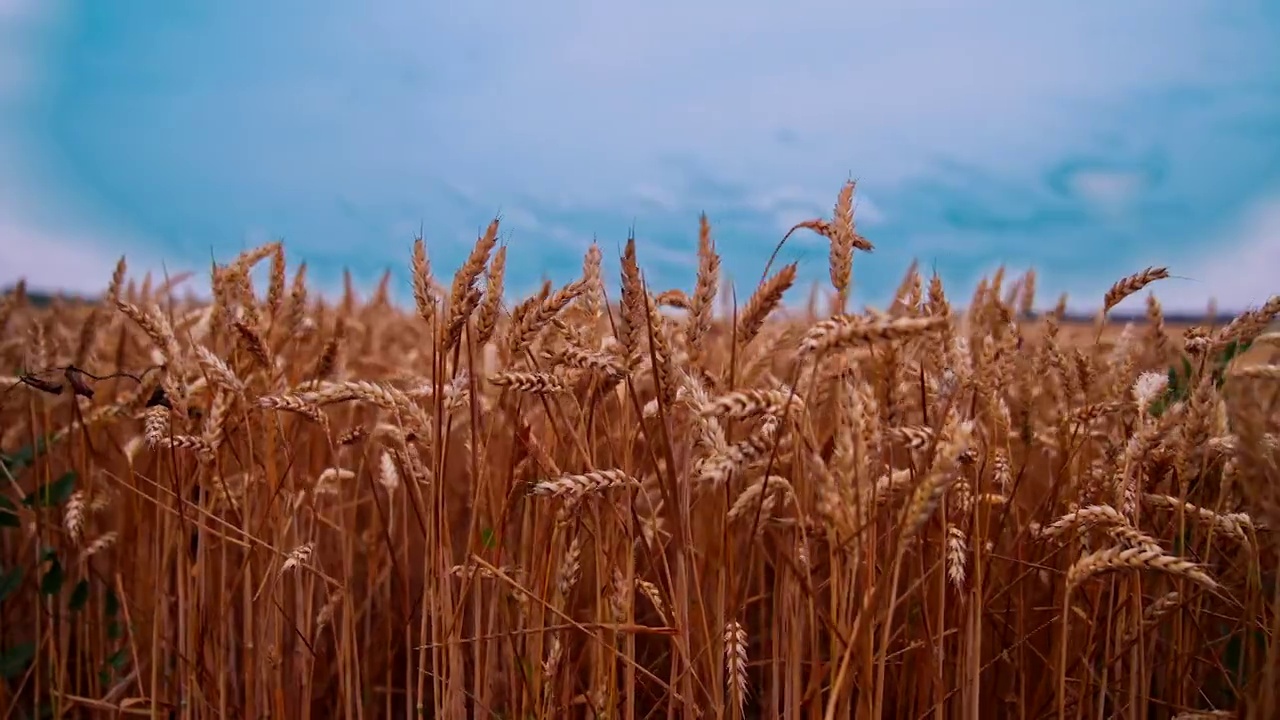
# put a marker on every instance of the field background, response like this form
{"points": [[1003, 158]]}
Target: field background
{"points": [[561, 507]]}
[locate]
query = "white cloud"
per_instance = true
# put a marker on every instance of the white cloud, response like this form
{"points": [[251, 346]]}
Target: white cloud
{"points": [[17, 76], [16, 69], [518, 217], [18, 10], [1241, 270], [790, 204], [867, 212], [1235, 270], [691, 107], [1109, 190], [771, 199], [787, 206], [697, 82], [65, 262], [54, 253], [787, 217], [657, 196], [64, 257], [45, 260]]}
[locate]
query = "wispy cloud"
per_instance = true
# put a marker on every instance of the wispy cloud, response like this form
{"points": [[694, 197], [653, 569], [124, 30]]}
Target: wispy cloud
{"points": [[1111, 190], [1245, 276], [1082, 139]]}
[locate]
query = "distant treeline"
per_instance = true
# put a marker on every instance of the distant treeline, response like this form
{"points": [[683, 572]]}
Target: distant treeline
{"points": [[43, 299]]}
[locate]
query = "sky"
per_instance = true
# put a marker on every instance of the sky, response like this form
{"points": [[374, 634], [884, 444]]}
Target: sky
{"points": [[1086, 140]]}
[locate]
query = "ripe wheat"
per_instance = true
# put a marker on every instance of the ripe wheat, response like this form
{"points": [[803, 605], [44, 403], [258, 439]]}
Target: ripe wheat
{"points": [[562, 507]]}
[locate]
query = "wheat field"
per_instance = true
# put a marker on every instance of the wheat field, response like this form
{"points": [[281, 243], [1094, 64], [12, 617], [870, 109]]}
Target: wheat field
{"points": [[658, 505]]}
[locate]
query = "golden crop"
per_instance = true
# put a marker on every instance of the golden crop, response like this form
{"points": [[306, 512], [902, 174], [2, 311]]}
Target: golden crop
{"points": [[644, 506]]}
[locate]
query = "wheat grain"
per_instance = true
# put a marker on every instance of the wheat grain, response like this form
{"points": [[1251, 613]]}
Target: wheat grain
{"points": [[735, 661], [1135, 558], [841, 332], [579, 485], [1125, 287]]}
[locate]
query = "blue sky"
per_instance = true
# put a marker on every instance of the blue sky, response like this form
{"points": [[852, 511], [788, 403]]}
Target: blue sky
{"points": [[1085, 139]]}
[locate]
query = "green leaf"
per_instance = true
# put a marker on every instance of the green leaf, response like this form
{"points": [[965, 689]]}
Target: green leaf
{"points": [[1234, 659], [111, 604], [1181, 541], [53, 493], [51, 583], [8, 513], [79, 596], [24, 457], [488, 539], [1219, 377], [1229, 351], [119, 659], [10, 582], [16, 660], [114, 631]]}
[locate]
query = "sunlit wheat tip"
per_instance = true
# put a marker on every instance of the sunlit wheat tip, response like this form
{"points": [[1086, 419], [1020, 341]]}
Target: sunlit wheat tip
{"points": [[1125, 287], [1136, 558], [748, 403], [529, 382], [916, 437], [297, 556], [578, 485], [735, 661], [388, 473], [1148, 386], [843, 332], [99, 544], [73, 521], [957, 556]]}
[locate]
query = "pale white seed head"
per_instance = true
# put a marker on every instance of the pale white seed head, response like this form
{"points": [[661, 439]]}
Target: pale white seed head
{"points": [[388, 473], [1148, 386]]}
